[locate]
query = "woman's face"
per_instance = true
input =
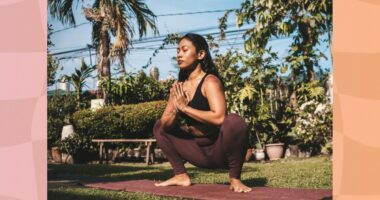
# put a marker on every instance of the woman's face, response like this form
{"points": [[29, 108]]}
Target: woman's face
{"points": [[187, 55]]}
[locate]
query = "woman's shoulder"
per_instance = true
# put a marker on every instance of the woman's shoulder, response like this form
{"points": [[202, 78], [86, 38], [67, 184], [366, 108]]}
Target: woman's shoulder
{"points": [[211, 81], [211, 78]]}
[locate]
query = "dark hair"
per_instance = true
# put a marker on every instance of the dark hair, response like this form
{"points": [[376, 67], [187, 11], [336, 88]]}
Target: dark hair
{"points": [[207, 64]]}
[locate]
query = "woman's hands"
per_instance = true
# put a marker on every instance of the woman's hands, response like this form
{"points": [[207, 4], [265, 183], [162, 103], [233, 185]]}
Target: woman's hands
{"points": [[180, 96]]}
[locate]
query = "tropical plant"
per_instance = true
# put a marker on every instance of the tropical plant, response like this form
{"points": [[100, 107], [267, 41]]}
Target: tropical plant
{"points": [[109, 18], [307, 22], [78, 79], [132, 88]]}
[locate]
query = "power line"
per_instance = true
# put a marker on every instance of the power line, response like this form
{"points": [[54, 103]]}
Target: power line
{"points": [[160, 38], [149, 39], [236, 43], [224, 42], [161, 15], [192, 13]]}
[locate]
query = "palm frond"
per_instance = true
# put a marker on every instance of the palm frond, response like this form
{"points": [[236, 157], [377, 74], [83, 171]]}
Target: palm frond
{"points": [[144, 16], [62, 10]]}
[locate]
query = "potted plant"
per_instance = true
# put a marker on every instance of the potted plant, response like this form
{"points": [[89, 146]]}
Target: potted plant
{"points": [[79, 148], [274, 147], [267, 127], [259, 152]]}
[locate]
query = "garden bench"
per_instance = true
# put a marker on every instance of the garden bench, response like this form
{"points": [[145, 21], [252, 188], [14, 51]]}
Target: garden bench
{"points": [[147, 142]]}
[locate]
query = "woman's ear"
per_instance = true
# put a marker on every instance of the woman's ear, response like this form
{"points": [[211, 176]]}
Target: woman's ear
{"points": [[201, 54]]}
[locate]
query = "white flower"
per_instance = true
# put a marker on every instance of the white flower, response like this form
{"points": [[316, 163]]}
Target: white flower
{"points": [[306, 104], [320, 108]]}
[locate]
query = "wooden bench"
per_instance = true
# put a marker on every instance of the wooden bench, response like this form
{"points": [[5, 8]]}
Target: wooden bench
{"points": [[147, 142]]}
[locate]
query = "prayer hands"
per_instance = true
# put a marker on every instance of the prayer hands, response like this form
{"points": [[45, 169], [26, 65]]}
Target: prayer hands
{"points": [[179, 96]]}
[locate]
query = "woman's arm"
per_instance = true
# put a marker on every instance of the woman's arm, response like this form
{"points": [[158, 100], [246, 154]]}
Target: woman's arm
{"points": [[215, 96]]}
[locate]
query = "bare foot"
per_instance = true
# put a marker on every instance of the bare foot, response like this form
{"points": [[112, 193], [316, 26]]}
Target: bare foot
{"points": [[238, 186], [180, 180]]}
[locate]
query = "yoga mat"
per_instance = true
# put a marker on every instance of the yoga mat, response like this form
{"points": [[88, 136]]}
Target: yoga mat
{"points": [[212, 191]]}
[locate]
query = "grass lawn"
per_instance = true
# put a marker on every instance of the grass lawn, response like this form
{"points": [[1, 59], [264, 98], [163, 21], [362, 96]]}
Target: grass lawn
{"points": [[315, 173]]}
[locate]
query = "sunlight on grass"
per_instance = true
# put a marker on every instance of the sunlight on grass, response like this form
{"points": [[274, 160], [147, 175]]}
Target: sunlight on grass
{"points": [[313, 173]]}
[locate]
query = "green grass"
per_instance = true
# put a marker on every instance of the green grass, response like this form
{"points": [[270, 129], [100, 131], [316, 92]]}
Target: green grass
{"points": [[315, 173]]}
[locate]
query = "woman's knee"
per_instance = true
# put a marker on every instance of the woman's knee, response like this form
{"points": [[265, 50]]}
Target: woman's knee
{"points": [[234, 124], [234, 120]]}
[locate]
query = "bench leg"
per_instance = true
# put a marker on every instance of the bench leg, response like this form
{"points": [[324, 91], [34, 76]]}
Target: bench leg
{"points": [[152, 155], [147, 154], [101, 153]]}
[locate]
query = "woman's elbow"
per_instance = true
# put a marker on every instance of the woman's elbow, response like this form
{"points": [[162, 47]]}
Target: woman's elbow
{"points": [[219, 120]]}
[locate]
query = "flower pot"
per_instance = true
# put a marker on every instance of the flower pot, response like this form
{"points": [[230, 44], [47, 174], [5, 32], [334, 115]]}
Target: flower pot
{"points": [[56, 154], [248, 155], [293, 150], [259, 154], [130, 153], [275, 151], [97, 103], [137, 152], [67, 130], [159, 154]]}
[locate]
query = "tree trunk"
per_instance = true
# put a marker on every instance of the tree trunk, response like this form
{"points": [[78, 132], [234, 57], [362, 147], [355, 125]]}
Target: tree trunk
{"points": [[104, 62], [306, 48], [78, 99], [293, 95], [309, 70]]}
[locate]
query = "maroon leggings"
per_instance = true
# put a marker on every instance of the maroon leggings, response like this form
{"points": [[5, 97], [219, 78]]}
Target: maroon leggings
{"points": [[225, 150]]}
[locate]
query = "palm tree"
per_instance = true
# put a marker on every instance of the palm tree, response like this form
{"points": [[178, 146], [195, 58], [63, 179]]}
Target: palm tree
{"points": [[109, 17], [78, 79]]}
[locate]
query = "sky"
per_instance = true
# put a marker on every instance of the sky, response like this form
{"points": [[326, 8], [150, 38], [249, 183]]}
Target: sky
{"points": [[79, 37]]}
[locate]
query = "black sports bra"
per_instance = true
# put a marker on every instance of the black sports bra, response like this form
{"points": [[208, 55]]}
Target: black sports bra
{"points": [[198, 102]]}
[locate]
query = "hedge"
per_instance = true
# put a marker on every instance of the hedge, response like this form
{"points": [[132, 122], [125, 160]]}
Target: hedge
{"points": [[126, 121]]}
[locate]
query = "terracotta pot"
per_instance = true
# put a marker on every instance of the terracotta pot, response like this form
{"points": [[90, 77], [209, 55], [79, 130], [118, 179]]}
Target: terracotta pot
{"points": [[248, 155], [56, 154], [293, 149], [275, 151]]}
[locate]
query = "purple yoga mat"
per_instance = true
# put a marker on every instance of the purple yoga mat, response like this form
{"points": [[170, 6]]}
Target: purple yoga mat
{"points": [[212, 191]]}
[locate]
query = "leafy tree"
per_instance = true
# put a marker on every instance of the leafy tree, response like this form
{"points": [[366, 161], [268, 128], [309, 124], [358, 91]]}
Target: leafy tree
{"points": [[307, 22]]}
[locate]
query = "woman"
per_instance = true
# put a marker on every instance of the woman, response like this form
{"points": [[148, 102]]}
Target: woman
{"points": [[209, 138]]}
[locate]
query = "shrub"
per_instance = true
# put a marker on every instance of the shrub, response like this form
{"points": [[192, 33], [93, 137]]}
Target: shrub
{"points": [[79, 147], [59, 108], [126, 121], [313, 126]]}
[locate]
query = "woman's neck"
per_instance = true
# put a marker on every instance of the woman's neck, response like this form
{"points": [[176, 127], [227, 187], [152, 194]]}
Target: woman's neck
{"points": [[196, 73]]}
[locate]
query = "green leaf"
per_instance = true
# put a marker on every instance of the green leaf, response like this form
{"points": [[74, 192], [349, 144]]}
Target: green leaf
{"points": [[284, 69]]}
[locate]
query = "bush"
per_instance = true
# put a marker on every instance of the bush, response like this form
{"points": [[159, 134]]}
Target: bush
{"points": [[136, 88], [80, 148], [127, 121], [59, 108], [314, 126]]}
